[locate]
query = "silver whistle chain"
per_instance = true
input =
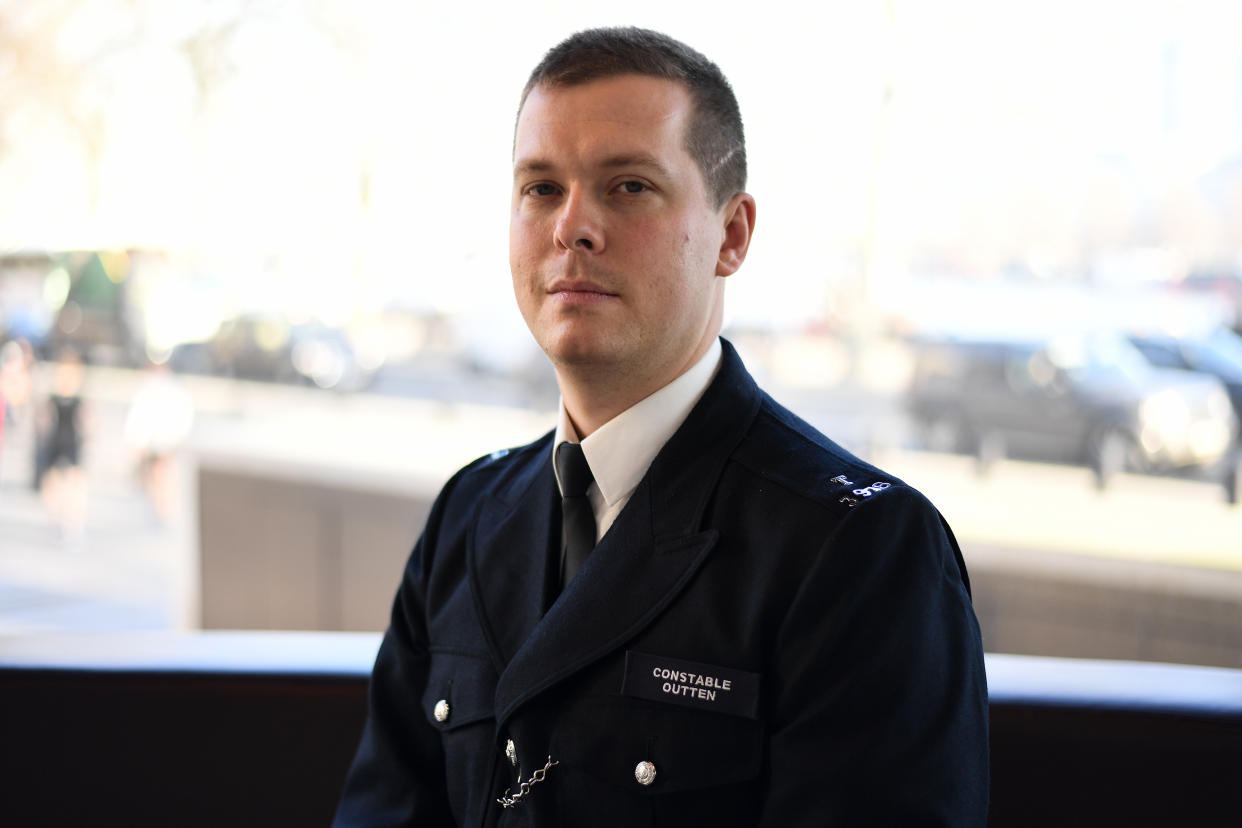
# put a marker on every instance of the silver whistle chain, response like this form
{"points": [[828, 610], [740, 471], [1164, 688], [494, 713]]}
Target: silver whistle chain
{"points": [[524, 788]]}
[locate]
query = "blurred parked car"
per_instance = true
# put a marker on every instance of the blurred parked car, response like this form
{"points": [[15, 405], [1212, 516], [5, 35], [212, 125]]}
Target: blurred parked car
{"points": [[1091, 400], [326, 357], [1217, 352], [267, 347], [253, 347]]}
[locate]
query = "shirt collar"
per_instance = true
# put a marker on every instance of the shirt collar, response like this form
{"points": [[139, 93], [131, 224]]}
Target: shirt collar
{"points": [[620, 450]]}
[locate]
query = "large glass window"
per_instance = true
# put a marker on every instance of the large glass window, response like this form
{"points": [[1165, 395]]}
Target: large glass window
{"points": [[255, 305]]}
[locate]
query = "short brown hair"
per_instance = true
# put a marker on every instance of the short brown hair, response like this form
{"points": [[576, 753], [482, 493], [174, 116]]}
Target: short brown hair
{"points": [[714, 139]]}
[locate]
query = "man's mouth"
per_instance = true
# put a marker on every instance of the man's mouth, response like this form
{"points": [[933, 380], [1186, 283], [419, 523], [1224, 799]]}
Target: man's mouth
{"points": [[580, 290]]}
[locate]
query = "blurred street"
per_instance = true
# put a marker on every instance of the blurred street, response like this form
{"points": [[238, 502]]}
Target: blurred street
{"points": [[129, 570], [124, 570]]}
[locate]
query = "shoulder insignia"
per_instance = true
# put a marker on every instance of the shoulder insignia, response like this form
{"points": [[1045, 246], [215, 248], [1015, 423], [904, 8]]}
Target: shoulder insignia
{"points": [[853, 496]]}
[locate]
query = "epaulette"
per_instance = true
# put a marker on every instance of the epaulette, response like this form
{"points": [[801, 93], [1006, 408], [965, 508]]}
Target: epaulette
{"points": [[851, 489]]}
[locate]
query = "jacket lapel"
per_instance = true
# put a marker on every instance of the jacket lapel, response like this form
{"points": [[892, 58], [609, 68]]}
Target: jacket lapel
{"points": [[515, 533], [642, 563], [625, 582]]}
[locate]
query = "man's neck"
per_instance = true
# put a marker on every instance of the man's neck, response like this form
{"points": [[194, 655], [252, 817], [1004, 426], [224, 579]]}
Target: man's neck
{"points": [[596, 395], [591, 402]]}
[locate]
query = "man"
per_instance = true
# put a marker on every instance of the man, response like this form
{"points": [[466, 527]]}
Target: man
{"points": [[767, 631]]}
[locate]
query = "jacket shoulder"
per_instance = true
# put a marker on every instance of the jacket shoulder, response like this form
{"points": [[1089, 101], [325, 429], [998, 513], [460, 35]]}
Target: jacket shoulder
{"points": [[491, 475], [786, 450], [498, 470]]}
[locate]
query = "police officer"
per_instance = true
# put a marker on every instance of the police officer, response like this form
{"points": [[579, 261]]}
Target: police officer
{"points": [[684, 605]]}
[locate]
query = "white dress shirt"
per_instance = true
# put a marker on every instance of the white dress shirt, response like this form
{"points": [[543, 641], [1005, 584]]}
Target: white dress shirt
{"points": [[620, 451]]}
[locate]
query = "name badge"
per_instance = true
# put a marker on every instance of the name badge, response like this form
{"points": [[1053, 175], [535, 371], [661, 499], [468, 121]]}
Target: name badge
{"points": [[691, 684]]}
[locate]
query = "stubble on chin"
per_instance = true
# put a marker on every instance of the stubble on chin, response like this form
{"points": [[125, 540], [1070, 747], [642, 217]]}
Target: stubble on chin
{"points": [[574, 349]]}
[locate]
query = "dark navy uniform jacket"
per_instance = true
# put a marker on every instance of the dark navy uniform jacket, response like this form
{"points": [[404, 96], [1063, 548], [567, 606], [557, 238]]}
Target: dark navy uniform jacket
{"points": [[771, 633]]}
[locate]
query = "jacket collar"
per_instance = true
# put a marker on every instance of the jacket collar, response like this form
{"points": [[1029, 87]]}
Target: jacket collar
{"points": [[636, 570]]}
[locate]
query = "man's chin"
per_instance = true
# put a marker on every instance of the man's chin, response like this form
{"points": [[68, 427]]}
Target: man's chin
{"points": [[579, 351]]}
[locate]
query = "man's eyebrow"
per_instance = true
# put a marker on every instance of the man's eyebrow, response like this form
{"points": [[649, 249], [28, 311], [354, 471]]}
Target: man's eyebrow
{"points": [[638, 159], [534, 166]]}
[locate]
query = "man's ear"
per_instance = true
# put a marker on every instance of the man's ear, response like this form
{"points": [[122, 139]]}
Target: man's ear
{"points": [[739, 224]]}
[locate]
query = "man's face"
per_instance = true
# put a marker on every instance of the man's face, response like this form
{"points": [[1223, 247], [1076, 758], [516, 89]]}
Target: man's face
{"points": [[613, 241]]}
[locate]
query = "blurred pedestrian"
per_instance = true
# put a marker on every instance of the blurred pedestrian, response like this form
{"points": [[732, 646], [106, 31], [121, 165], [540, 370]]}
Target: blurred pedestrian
{"points": [[157, 425], [59, 476]]}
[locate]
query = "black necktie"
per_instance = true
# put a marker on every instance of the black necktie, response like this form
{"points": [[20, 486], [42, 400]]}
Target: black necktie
{"points": [[579, 519]]}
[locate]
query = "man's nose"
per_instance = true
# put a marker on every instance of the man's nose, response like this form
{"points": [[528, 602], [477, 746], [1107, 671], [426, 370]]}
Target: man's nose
{"points": [[578, 227]]}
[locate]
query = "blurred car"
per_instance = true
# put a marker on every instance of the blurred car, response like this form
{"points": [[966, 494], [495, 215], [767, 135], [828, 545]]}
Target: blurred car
{"points": [[267, 347], [253, 347], [1217, 352], [326, 357], [1091, 400]]}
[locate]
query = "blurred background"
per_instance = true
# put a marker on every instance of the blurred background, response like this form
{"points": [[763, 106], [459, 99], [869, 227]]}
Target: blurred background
{"points": [[255, 303]]}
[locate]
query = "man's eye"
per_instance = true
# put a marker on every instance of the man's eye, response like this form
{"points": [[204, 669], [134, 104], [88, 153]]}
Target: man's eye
{"points": [[541, 190], [633, 187]]}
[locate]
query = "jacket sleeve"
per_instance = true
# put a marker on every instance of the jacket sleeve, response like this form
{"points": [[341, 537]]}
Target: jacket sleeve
{"points": [[397, 776], [879, 698]]}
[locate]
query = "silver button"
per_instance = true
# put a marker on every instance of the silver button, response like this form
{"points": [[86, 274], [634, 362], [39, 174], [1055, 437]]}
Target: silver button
{"points": [[511, 752], [645, 772], [442, 711]]}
